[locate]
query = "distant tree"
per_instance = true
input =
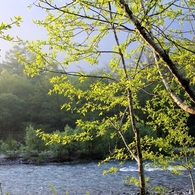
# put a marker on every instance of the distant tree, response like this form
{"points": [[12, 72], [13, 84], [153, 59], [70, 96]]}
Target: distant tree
{"points": [[11, 115], [32, 142], [11, 63], [10, 147]]}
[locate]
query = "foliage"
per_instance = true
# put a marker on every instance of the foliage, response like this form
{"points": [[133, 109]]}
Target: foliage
{"points": [[10, 147], [32, 142], [59, 151], [132, 180], [52, 189], [110, 170], [6, 26], [160, 190], [11, 107]]}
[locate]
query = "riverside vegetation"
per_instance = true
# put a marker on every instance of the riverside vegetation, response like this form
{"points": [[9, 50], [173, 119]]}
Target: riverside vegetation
{"points": [[141, 104], [34, 150]]}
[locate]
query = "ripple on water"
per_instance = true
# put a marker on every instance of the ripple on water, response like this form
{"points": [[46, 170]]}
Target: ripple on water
{"points": [[77, 179]]}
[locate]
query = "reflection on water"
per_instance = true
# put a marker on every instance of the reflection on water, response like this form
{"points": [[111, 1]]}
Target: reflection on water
{"points": [[79, 178]]}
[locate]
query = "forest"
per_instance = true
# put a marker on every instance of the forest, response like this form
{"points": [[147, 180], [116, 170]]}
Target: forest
{"points": [[140, 105]]}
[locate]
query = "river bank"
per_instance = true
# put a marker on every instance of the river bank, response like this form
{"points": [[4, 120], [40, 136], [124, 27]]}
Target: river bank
{"points": [[36, 160]]}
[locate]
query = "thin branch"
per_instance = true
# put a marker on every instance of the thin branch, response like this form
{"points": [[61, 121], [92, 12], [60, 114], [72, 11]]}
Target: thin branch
{"points": [[138, 61], [122, 137], [192, 26], [54, 7], [163, 10]]}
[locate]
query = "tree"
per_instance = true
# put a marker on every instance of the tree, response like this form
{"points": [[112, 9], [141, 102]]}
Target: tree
{"points": [[11, 114], [31, 140], [79, 29], [11, 63], [152, 16]]}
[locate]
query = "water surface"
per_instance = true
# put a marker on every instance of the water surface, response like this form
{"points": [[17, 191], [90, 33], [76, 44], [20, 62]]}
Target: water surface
{"points": [[79, 178]]}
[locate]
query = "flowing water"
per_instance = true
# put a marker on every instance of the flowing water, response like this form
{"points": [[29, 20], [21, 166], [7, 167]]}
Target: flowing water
{"points": [[81, 179]]}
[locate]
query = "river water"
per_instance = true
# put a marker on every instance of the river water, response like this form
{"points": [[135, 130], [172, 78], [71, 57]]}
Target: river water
{"points": [[82, 178]]}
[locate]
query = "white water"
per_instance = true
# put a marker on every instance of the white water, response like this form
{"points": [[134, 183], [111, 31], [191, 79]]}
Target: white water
{"points": [[149, 167]]}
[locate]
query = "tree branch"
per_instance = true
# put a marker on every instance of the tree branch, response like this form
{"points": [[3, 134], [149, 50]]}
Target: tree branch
{"points": [[175, 97], [184, 82]]}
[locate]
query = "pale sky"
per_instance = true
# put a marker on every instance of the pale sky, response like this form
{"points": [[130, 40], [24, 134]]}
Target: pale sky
{"points": [[27, 30]]}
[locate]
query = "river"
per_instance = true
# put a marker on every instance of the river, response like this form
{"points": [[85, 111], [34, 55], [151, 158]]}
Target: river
{"points": [[82, 178]]}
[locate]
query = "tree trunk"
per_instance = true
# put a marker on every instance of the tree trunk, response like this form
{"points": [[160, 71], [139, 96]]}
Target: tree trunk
{"points": [[138, 158], [138, 146], [191, 175]]}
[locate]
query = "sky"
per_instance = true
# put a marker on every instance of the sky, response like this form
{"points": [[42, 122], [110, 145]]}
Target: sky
{"points": [[27, 30]]}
